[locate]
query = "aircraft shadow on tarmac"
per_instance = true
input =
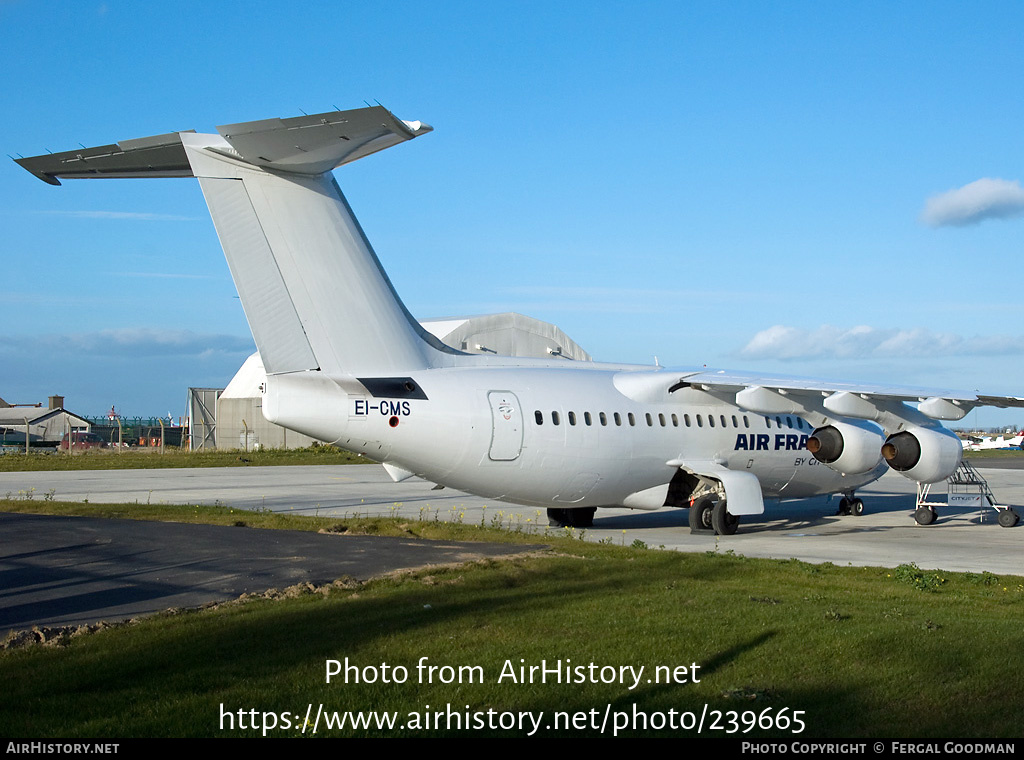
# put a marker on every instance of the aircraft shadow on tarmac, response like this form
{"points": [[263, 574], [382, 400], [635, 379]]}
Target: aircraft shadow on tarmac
{"points": [[789, 515], [808, 514]]}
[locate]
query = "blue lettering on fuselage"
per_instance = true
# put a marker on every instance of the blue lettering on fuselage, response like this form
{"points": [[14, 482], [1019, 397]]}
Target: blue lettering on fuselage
{"points": [[760, 442], [752, 442]]}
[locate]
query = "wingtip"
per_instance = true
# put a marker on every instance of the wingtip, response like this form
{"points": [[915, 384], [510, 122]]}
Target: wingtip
{"points": [[418, 127]]}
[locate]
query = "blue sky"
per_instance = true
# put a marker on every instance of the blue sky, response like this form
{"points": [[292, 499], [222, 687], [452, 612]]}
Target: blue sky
{"points": [[817, 189]]}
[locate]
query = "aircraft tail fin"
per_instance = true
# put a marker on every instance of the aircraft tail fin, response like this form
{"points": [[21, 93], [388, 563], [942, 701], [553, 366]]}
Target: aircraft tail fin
{"points": [[313, 290]]}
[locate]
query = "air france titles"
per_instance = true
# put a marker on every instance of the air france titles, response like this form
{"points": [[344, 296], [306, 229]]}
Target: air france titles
{"points": [[766, 442], [562, 671]]}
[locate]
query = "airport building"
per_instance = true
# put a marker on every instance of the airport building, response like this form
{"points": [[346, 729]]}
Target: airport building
{"points": [[44, 426]]}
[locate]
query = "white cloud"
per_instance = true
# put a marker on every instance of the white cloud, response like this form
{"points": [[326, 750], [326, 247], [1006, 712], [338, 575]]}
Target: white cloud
{"points": [[986, 198], [828, 342], [136, 216]]}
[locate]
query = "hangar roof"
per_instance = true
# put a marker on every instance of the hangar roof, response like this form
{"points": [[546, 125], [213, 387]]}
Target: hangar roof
{"points": [[507, 334]]}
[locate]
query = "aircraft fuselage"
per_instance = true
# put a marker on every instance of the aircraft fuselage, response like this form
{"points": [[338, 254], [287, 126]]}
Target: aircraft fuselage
{"points": [[552, 437]]}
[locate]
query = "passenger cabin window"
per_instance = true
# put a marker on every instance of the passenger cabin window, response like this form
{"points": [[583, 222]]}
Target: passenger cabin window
{"points": [[789, 422], [632, 419], [700, 422], [735, 423], [539, 416], [675, 420], [572, 418], [603, 417], [618, 419], [554, 418], [746, 422], [661, 419], [649, 421], [686, 420], [586, 418], [711, 420]]}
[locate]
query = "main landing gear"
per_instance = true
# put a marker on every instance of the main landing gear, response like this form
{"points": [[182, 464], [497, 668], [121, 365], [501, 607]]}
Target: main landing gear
{"points": [[581, 517], [709, 513]]}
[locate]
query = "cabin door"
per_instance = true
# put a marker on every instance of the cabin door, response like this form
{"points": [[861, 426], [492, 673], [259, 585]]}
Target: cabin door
{"points": [[507, 426]]}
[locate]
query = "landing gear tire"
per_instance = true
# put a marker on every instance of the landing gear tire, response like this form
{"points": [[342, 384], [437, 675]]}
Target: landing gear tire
{"points": [[844, 506], [583, 517], [722, 521], [1008, 517], [700, 515], [925, 515], [556, 517], [571, 518], [856, 507]]}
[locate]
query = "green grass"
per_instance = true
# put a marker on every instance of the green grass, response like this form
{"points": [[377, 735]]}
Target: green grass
{"points": [[140, 460], [431, 527], [866, 652], [993, 454]]}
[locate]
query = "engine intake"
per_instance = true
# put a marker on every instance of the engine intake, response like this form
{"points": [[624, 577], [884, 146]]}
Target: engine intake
{"points": [[902, 451], [923, 454], [826, 444]]}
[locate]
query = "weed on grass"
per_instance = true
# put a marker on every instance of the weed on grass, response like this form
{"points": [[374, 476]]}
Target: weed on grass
{"points": [[914, 576]]}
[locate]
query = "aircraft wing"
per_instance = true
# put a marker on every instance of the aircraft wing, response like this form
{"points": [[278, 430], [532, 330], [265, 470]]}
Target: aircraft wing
{"points": [[855, 424], [819, 401], [771, 394]]}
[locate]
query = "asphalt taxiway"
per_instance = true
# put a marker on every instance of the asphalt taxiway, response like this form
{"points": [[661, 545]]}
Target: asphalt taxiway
{"points": [[886, 535], [67, 571]]}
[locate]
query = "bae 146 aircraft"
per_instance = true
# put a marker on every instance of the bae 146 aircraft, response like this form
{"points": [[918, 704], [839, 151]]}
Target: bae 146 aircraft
{"points": [[347, 363]]}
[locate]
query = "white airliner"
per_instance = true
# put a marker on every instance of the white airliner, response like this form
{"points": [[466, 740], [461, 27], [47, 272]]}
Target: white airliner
{"points": [[347, 363]]}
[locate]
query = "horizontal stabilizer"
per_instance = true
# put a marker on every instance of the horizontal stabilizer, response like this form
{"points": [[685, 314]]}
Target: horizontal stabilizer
{"points": [[316, 144], [157, 156], [305, 144]]}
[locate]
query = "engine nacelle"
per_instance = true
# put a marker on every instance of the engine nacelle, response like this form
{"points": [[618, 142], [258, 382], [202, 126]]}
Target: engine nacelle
{"points": [[849, 448], [923, 454]]}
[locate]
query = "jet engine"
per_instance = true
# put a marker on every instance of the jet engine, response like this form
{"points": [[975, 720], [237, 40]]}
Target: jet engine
{"points": [[923, 454], [846, 447]]}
